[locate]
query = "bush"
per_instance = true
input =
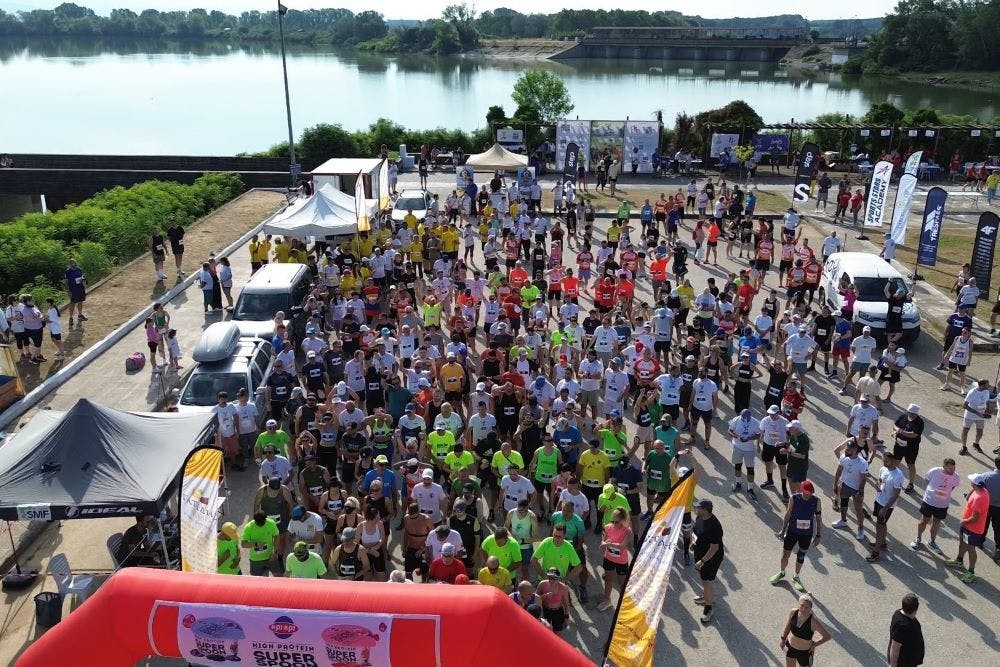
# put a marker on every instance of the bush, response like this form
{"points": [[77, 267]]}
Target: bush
{"points": [[110, 228], [811, 51]]}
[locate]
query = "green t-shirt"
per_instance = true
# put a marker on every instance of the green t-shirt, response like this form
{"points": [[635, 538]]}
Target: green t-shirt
{"points": [[279, 439], [669, 439], [231, 549], [800, 445], [613, 444], [311, 568], [546, 465], [261, 538], [658, 471], [563, 557], [432, 315], [609, 505], [529, 293], [441, 444], [457, 485], [456, 462], [574, 525], [509, 554]]}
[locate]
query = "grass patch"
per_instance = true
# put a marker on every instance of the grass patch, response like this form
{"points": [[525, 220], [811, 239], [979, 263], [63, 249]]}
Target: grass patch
{"points": [[954, 249]]}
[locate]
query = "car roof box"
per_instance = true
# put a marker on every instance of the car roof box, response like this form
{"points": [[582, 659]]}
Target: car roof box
{"points": [[219, 342]]}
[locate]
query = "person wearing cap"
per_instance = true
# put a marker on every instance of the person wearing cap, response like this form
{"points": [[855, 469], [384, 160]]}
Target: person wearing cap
{"points": [[228, 549], [849, 483], [973, 526], [709, 552], [446, 567], [976, 412], [863, 414], [260, 536], [890, 484], [430, 497], [349, 562], [466, 523], [275, 499], [941, 483], [774, 437], [800, 527], [862, 349], [556, 603], [226, 427], [869, 384], [304, 563], [704, 403], [279, 389], [797, 451], [906, 434], [248, 430], [441, 442]]}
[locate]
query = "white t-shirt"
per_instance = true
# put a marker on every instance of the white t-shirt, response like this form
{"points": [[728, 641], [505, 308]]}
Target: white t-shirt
{"points": [[595, 368], [580, 503], [571, 386], [939, 487], [481, 426], [890, 481], [515, 491], [831, 244], [55, 326], [279, 467], [763, 324], [774, 430], [306, 528], [702, 392], [670, 389], [435, 542], [863, 349], [428, 499], [853, 471], [744, 428], [226, 416], [605, 339], [799, 347], [247, 415], [863, 416], [615, 385], [977, 399]]}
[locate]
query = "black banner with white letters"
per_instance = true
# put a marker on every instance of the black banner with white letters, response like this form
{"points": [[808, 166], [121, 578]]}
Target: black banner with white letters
{"points": [[983, 251], [570, 162], [808, 158]]}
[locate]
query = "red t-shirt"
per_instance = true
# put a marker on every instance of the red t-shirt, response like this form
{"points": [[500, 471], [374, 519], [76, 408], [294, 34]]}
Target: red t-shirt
{"points": [[439, 571], [978, 501], [571, 285]]}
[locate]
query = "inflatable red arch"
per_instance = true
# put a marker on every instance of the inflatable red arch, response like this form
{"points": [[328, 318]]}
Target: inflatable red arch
{"points": [[276, 621]]}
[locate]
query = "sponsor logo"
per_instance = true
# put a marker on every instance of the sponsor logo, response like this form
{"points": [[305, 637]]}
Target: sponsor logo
{"points": [[801, 192], [932, 223], [988, 230], [72, 511], [283, 627]]}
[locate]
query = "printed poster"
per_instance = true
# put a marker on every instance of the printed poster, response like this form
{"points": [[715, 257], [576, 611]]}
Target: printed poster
{"points": [[200, 504], [642, 138], [572, 131], [607, 136], [210, 634], [878, 194], [720, 142], [464, 176]]}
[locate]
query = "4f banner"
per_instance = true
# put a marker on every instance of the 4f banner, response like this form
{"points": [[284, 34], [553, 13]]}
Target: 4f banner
{"points": [[808, 158], [633, 637], [984, 250], [199, 510], [904, 198], [930, 230], [878, 194], [570, 162]]}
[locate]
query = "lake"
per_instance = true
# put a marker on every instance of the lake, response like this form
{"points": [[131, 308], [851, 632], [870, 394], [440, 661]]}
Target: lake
{"points": [[215, 99]]}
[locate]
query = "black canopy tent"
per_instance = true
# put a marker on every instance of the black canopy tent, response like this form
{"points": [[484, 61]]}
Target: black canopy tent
{"points": [[95, 462]]}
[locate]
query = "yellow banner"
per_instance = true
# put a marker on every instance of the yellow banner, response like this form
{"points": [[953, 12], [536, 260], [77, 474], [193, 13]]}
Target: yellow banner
{"points": [[199, 510], [384, 199], [360, 208], [633, 639]]}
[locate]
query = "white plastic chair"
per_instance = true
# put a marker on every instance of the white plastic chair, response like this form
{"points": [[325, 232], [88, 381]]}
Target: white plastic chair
{"points": [[67, 582]]}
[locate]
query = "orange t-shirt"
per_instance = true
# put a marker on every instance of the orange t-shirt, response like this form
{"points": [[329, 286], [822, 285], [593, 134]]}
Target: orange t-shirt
{"points": [[978, 501], [713, 233], [571, 286], [658, 269]]}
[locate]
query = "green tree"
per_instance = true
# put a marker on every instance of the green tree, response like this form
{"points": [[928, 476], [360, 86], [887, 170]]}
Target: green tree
{"points": [[883, 114], [495, 115], [446, 38], [685, 138], [737, 116], [544, 91], [324, 141], [917, 36]]}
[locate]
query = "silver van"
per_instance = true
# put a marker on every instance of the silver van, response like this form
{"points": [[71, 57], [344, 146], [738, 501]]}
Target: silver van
{"points": [[274, 287]]}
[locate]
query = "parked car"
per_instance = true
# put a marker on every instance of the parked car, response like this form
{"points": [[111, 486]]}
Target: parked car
{"points": [[418, 201], [226, 361], [274, 287], [870, 274]]}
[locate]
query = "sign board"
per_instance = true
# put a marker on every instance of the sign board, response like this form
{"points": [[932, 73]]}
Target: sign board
{"points": [[720, 142], [41, 512], [508, 135]]}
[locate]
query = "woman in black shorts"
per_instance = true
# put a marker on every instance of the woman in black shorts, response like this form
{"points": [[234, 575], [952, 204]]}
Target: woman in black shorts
{"points": [[709, 553], [797, 637]]}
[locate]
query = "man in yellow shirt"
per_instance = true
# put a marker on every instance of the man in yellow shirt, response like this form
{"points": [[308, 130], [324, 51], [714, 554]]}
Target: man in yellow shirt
{"points": [[260, 252], [495, 575], [449, 242], [365, 244], [592, 469], [410, 220], [282, 251]]}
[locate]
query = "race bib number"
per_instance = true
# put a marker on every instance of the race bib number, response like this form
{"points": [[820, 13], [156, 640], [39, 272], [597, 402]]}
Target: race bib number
{"points": [[803, 524], [656, 475], [820, 332]]}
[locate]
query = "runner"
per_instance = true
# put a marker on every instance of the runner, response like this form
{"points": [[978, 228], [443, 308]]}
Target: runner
{"points": [[973, 531], [800, 628], [889, 485], [941, 482], [849, 483], [709, 553], [800, 527]]}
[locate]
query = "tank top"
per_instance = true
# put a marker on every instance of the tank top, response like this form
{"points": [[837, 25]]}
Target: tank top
{"points": [[546, 467], [744, 373], [335, 504], [372, 539], [313, 480], [803, 630], [349, 566], [307, 420], [960, 352], [520, 527], [379, 504], [275, 507], [644, 419], [803, 513], [712, 369], [508, 407], [555, 597], [616, 553]]}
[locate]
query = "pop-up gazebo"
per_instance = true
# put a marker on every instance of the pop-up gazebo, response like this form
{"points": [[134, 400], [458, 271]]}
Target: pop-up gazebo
{"points": [[497, 158]]}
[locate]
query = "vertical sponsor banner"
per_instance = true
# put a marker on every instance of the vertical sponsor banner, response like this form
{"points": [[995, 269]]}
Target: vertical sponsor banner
{"points": [[930, 230], [904, 198], [576, 132], [199, 510], [384, 200], [571, 158], [641, 139], [878, 194], [633, 636], [209, 634], [807, 162], [360, 208], [984, 250], [464, 177], [607, 136]]}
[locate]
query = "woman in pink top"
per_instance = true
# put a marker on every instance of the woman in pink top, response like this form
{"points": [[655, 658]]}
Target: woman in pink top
{"points": [[615, 545]]}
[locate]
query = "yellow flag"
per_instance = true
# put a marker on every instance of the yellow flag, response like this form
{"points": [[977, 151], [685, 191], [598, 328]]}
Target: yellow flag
{"points": [[199, 510], [364, 224], [633, 638]]}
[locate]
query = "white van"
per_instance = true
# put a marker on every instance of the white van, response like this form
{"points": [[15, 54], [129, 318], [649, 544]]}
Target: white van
{"points": [[869, 273]]}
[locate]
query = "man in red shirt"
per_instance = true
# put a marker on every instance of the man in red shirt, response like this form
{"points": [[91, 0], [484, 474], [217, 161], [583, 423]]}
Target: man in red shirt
{"points": [[512, 306], [745, 294], [570, 286], [647, 368], [658, 273], [518, 276], [446, 567], [626, 290], [813, 271], [604, 294], [973, 532]]}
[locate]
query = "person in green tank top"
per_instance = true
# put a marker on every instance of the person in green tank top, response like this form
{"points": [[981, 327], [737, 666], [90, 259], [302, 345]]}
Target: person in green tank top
{"points": [[543, 469], [313, 481]]}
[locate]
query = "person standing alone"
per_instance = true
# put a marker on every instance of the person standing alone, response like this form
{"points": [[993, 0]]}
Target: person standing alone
{"points": [[906, 638], [76, 286]]}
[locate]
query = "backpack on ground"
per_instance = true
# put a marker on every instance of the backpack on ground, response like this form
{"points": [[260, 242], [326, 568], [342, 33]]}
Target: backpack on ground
{"points": [[135, 362]]}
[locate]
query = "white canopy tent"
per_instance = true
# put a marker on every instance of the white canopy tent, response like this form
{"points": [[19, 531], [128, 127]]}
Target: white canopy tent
{"points": [[497, 158], [328, 213]]}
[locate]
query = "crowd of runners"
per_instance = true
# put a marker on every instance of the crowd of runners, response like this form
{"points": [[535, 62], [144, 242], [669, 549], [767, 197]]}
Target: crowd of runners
{"points": [[483, 397]]}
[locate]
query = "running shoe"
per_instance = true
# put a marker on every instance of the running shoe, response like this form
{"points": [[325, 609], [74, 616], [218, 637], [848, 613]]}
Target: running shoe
{"points": [[83, 318], [706, 616], [736, 486], [954, 562], [699, 599], [968, 577], [797, 584], [767, 485], [751, 493], [916, 544], [776, 579], [839, 524], [860, 534], [873, 557], [935, 547], [646, 516]]}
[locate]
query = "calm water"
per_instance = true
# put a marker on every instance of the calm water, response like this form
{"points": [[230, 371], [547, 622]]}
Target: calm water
{"points": [[140, 98]]}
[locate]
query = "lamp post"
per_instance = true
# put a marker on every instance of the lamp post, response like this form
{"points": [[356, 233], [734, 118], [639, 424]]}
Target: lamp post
{"points": [[294, 168]]}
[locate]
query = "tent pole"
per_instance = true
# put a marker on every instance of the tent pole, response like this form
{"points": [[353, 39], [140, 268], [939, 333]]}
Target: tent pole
{"points": [[13, 548], [163, 544]]}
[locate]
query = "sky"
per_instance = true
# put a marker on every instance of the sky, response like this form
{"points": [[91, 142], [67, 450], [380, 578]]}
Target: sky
{"points": [[407, 9]]}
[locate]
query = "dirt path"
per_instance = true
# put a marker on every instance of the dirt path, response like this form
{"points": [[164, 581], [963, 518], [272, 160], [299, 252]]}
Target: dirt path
{"points": [[120, 296]]}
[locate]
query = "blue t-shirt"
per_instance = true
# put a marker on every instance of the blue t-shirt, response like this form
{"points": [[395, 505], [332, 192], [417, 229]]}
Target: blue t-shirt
{"points": [[842, 343], [803, 514], [958, 322], [388, 478], [646, 213], [565, 441], [627, 478], [74, 278]]}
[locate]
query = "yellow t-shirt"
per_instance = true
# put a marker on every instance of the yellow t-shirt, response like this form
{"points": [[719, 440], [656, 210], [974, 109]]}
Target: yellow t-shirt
{"points": [[614, 234], [595, 466], [348, 284], [501, 579], [686, 295], [449, 240], [501, 462], [260, 251], [452, 377], [365, 245], [383, 235], [297, 256], [515, 208], [416, 250], [282, 252], [410, 220], [459, 461]]}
